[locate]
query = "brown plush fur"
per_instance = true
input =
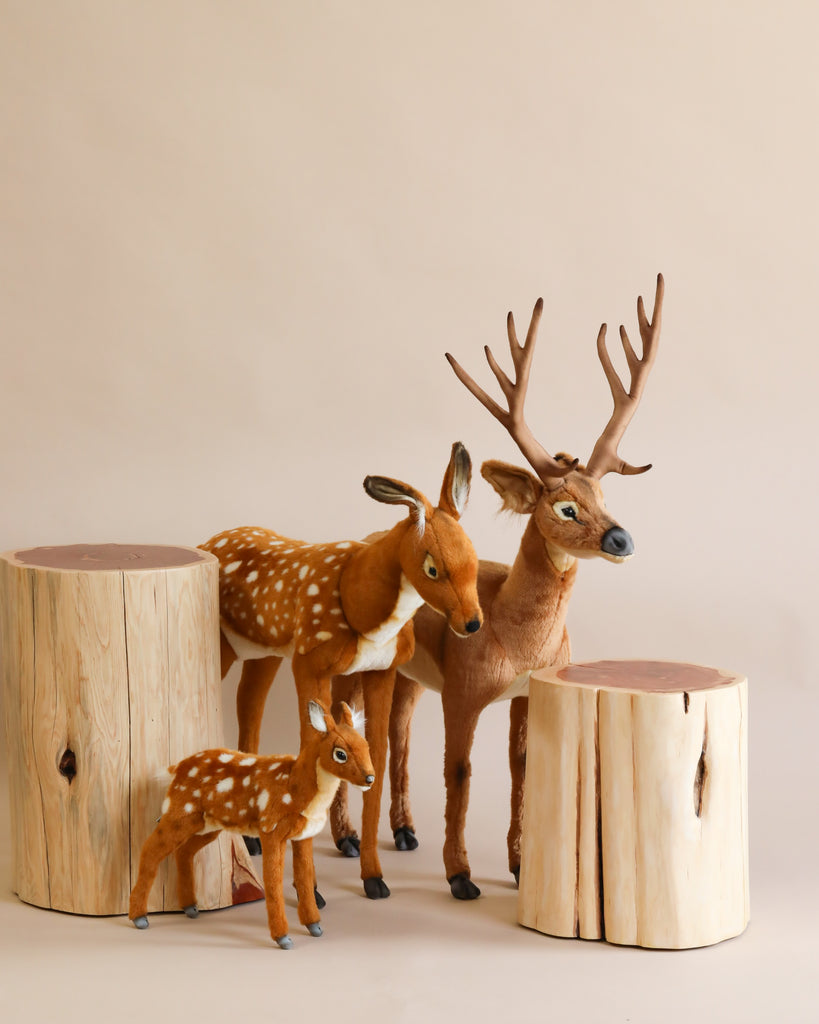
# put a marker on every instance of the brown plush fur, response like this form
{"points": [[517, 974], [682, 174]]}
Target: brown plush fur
{"points": [[524, 605], [346, 610], [278, 798]]}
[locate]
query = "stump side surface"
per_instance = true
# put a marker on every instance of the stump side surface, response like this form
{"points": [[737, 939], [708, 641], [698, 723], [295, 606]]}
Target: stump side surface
{"points": [[636, 813], [107, 557]]}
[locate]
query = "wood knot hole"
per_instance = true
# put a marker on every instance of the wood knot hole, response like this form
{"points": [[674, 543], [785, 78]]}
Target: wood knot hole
{"points": [[68, 765]]}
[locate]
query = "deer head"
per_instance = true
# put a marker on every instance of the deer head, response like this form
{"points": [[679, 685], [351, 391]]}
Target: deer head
{"points": [[563, 496], [341, 749], [436, 556]]}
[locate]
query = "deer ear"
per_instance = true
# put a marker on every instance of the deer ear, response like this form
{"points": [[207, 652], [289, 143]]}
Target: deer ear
{"points": [[519, 489], [353, 718], [317, 716], [455, 489], [394, 492]]}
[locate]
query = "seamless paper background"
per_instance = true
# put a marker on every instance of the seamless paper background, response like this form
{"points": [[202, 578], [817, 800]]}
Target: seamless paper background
{"points": [[237, 240]]}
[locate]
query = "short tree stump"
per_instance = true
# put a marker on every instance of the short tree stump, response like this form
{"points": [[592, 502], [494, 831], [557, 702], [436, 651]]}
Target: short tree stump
{"points": [[110, 669], [635, 826]]}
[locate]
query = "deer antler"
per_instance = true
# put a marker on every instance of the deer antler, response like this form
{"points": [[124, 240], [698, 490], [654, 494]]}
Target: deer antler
{"points": [[546, 467], [604, 458]]}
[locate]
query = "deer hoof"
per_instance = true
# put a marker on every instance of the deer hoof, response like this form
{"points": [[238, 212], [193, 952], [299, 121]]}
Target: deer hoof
{"points": [[315, 929], [191, 911], [405, 839], [253, 845], [284, 942], [350, 846], [463, 888], [321, 902], [376, 888], [141, 922]]}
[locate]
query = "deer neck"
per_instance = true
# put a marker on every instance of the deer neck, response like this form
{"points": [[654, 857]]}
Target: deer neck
{"points": [[376, 597], [540, 580], [312, 788]]}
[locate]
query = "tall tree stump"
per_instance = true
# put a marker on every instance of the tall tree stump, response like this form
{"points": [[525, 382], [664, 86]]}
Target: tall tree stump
{"points": [[110, 673], [635, 825]]}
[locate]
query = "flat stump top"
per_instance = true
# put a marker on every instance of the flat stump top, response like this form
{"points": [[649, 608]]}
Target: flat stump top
{"points": [[643, 676], [107, 557]]}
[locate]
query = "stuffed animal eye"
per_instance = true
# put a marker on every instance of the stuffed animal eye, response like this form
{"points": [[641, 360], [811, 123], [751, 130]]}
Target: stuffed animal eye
{"points": [[430, 568], [339, 755], [565, 509]]}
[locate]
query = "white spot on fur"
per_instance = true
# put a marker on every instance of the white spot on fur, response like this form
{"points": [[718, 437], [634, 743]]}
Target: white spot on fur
{"points": [[197, 792], [220, 543], [343, 544], [324, 635], [318, 609], [232, 567], [225, 758], [193, 773], [166, 803], [312, 590], [224, 786], [278, 585], [264, 798], [303, 571], [247, 761], [188, 808], [287, 799], [251, 576], [260, 619]]}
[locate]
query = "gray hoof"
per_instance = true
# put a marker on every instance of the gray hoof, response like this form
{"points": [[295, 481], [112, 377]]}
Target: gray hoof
{"points": [[141, 922], [284, 942], [315, 929], [191, 911], [350, 846]]}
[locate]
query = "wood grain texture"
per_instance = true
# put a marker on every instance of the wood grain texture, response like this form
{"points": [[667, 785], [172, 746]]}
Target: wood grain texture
{"points": [[636, 815], [109, 677]]}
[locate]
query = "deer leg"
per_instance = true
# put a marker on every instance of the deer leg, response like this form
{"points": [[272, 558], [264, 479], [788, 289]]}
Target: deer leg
{"points": [[459, 728], [378, 689], [348, 689], [226, 654], [518, 718], [304, 876], [165, 838], [257, 676], [273, 874], [405, 698], [185, 853]]}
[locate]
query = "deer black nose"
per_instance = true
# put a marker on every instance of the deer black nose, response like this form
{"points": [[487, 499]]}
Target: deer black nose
{"points": [[473, 625], [369, 779], [617, 541]]}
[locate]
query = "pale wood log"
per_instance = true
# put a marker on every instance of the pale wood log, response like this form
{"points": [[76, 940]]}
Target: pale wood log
{"points": [[635, 824], [110, 674]]}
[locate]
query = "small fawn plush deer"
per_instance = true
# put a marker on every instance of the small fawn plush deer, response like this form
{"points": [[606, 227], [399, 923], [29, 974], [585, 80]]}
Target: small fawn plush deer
{"points": [[277, 798], [345, 609], [524, 604]]}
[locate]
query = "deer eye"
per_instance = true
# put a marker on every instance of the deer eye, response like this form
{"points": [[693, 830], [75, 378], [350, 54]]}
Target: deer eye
{"points": [[565, 510], [430, 568], [339, 755]]}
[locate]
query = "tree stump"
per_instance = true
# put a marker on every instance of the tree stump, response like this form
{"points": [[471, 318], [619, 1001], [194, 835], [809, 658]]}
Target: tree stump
{"points": [[110, 670], [635, 825]]}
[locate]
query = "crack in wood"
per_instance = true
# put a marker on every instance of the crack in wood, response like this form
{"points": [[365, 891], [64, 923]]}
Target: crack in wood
{"points": [[701, 774]]}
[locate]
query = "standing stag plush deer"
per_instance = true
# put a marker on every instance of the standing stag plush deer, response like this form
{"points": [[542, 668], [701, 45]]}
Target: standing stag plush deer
{"points": [[277, 798], [346, 609], [525, 604]]}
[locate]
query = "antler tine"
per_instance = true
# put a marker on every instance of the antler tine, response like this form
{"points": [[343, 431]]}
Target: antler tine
{"points": [[604, 458], [512, 418]]}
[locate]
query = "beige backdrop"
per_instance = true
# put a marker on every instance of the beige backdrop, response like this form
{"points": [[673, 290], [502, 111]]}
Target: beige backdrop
{"points": [[237, 239]]}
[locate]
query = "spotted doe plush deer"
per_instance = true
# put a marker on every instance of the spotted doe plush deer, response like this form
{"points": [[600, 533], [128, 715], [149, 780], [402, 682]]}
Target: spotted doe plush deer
{"points": [[344, 609], [277, 798], [524, 604]]}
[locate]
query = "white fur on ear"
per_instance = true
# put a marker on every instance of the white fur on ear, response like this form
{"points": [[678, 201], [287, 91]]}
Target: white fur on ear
{"points": [[316, 713], [358, 720]]}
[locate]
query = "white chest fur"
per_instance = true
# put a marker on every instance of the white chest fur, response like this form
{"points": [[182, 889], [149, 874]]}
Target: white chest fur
{"points": [[376, 649], [316, 811]]}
